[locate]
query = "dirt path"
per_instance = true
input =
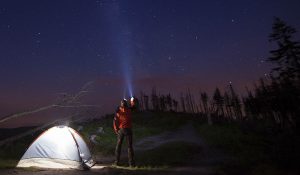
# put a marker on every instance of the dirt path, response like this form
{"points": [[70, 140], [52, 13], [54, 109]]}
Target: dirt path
{"points": [[186, 133]]}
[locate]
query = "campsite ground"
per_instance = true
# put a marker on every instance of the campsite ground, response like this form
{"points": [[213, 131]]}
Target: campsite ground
{"points": [[174, 143]]}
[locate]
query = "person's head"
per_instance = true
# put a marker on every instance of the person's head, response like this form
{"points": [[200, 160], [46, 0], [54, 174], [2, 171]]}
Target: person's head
{"points": [[124, 103], [132, 101]]}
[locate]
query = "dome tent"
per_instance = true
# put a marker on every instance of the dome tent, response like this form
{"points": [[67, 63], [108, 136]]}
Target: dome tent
{"points": [[58, 147]]}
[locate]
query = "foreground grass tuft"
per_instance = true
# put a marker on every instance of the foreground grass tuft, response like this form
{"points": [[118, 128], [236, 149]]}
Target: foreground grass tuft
{"points": [[8, 163]]}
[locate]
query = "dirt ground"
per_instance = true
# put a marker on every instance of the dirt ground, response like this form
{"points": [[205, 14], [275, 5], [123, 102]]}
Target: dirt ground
{"points": [[108, 170], [186, 133]]}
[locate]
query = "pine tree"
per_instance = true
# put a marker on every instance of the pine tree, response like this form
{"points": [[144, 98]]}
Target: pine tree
{"points": [[287, 59], [287, 56], [227, 103]]}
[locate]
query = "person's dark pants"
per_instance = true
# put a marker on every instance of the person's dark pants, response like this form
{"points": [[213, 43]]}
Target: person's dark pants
{"points": [[125, 132]]}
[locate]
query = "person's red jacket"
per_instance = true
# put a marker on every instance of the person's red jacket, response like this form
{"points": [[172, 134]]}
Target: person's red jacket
{"points": [[122, 119]]}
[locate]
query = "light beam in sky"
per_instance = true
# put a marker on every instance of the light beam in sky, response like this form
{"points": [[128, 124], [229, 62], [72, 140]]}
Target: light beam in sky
{"points": [[122, 44]]}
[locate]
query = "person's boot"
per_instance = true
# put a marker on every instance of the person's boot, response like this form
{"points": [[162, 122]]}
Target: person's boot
{"points": [[117, 154], [116, 163], [131, 164], [130, 157]]}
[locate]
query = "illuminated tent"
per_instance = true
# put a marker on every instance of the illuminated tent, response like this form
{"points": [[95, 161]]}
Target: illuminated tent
{"points": [[58, 147]]}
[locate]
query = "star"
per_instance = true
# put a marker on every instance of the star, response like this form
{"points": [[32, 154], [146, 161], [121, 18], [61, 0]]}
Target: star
{"points": [[181, 68]]}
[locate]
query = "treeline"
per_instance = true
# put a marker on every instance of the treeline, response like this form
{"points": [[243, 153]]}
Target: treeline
{"points": [[227, 105], [275, 98]]}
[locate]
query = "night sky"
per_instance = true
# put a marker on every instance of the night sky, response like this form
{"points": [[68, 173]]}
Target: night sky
{"points": [[53, 47]]}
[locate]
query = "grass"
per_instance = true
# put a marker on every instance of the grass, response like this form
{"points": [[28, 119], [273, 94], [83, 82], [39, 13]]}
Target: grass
{"points": [[246, 148], [11, 153], [231, 139], [8, 163], [253, 150], [144, 124]]}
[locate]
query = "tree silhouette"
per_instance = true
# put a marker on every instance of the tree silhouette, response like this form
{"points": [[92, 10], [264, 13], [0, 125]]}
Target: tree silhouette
{"points": [[183, 105], [218, 101], [154, 100], [162, 103], [204, 99], [273, 99], [169, 102], [227, 103], [235, 103], [287, 59], [146, 102], [175, 104], [287, 56]]}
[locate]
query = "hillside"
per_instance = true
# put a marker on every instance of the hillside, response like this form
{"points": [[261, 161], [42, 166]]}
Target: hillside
{"points": [[180, 143]]}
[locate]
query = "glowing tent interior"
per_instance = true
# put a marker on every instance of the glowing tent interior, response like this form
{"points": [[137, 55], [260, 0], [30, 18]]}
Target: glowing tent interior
{"points": [[59, 147]]}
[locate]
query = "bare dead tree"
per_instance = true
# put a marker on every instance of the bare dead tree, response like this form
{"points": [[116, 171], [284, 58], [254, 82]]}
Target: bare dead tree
{"points": [[191, 102], [204, 99], [162, 103], [219, 102], [169, 102], [175, 104], [183, 105], [154, 100], [142, 101], [201, 110], [146, 101]]}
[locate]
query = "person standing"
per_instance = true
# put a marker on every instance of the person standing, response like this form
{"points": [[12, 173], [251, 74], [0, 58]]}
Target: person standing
{"points": [[123, 128]]}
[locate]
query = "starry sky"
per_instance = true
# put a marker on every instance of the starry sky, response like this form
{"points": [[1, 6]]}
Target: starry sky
{"points": [[53, 47]]}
